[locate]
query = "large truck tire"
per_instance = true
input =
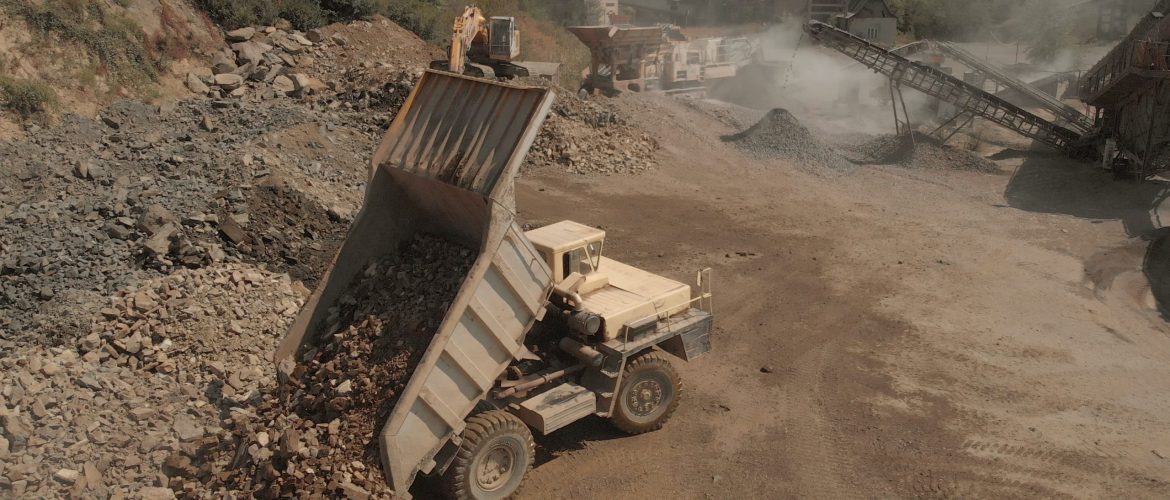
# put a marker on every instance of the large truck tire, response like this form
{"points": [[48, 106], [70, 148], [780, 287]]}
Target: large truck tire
{"points": [[496, 453], [649, 394]]}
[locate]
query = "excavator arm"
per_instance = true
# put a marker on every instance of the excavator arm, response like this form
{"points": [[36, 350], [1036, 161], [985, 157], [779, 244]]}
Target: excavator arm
{"points": [[468, 27]]}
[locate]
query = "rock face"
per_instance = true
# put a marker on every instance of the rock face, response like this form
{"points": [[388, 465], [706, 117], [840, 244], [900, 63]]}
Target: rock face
{"points": [[152, 258]]}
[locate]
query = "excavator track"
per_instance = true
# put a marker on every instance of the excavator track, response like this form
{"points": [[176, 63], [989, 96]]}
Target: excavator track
{"points": [[935, 83]]}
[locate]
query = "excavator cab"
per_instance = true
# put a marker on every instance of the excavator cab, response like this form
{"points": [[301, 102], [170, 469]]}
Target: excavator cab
{"points": [[504, 43]]}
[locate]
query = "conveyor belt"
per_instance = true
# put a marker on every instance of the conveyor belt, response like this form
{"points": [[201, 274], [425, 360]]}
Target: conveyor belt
{"points": [[1075, 118], [936, 83]]}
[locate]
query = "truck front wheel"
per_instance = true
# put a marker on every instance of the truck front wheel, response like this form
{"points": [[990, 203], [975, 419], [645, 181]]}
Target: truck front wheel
{"points": [[497, 451], [648, 395]]}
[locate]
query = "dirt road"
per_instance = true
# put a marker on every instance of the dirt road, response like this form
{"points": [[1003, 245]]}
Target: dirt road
{"points": [[882, 333]]}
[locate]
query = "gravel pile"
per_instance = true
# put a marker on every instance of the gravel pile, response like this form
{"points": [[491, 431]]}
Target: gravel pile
{"points": [[292, 233], [921, 152], [165, 361], [317, 433], [94, 205], [590, 137], [780, 135]]}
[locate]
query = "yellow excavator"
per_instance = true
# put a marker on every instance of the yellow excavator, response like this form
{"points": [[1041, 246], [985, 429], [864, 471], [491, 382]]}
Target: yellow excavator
{"points": [[493, 43]]}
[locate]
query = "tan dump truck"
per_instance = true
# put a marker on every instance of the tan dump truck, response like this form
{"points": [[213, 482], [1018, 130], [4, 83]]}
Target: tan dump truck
{"points": [[544, 330]]}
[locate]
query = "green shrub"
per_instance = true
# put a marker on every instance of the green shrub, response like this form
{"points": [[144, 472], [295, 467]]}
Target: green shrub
{"points": [[303, 14], [24, 97], [116, 41], [232, 14]]}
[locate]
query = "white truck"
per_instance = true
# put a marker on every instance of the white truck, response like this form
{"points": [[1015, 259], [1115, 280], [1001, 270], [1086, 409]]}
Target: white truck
{"points": [[544, 330]]}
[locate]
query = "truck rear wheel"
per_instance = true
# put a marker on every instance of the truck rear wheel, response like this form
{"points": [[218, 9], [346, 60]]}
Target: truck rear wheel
{"points": [[649, 394], [497, 451]]}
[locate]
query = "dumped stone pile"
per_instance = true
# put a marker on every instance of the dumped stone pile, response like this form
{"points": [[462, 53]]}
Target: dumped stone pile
{"points": [[780, 135], [292, 232], [591, 137], [91, 206], [921, 152], [263, 60], [99, 419], [224, 316], [316, 435]]}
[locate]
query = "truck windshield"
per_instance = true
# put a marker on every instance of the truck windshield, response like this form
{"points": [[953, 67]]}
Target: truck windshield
{"points": [[584, 260]]}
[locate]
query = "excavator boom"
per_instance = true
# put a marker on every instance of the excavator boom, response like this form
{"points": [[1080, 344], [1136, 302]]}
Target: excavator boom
{"points": [[467, 28]]}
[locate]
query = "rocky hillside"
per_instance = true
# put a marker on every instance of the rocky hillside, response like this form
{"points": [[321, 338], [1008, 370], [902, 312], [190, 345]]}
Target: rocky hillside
{"points": [[76, 56], [153, 253]]}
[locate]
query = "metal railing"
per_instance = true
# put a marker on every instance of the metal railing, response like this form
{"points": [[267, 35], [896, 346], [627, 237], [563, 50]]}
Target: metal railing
{"points": [[702, 303], [1140, 48], [1143, 57]]}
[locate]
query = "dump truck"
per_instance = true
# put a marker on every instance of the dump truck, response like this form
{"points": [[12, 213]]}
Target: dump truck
{"points": [[544, 330]]}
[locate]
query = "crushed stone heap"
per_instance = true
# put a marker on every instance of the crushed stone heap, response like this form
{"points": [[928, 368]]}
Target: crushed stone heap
{"points": [[590, 137], [780, 135], [923, 152], [316, 434]]}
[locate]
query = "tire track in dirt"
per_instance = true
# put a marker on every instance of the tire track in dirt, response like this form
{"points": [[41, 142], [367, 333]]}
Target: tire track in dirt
{"points": [[1081, 469], [822, 466]]}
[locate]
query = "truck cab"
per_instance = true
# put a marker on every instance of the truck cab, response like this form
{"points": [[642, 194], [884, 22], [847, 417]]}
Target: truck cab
{"points": [[621, 296]]}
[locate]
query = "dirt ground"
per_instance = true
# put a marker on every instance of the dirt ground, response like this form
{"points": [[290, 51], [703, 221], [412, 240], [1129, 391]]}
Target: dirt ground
{"points": [[884, 333]]}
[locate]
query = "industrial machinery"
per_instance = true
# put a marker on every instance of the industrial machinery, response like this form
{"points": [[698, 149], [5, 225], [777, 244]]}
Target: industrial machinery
{"points": [[544, 330], [1068, 115], [1130, 91], [968, 99], [493, 43], [638, 59]]}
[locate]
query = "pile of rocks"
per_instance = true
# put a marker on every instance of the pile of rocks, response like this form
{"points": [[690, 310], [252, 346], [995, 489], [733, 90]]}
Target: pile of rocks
{"points": [[164, 363], [290, 231], [921, 152], [591, 137], [317, 434], [780, 135], [222, 317], [263, 60], [92, 206]]}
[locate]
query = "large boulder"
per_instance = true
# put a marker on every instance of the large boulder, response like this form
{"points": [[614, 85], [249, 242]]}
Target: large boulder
{"points": [[241, 35], [283, 84], [250, 52], [229, 81], [289, 45], [196, 85], [222, 64], [299, 38]]}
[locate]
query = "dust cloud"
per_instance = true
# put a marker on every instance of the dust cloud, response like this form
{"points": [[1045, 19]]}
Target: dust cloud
{"points": [[818, 85]]}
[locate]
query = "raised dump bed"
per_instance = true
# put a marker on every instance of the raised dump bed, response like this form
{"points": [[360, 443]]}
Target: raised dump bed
{"points": [[446, 167]]}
